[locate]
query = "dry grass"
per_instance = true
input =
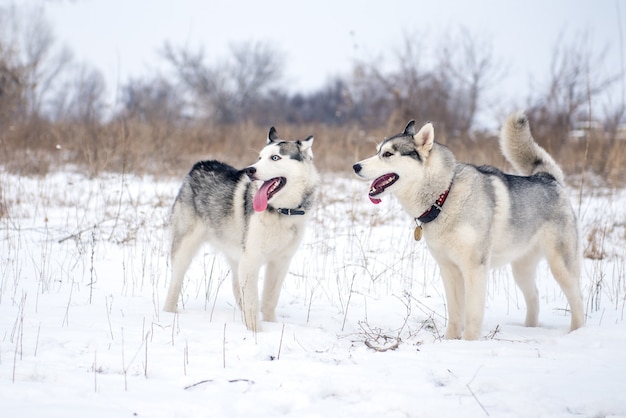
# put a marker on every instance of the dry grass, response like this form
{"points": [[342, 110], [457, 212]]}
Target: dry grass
{"points": [[164, 150], [594, 245]]}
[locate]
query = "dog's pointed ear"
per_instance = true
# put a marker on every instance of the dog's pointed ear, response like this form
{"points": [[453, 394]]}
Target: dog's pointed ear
{"points": [[272, 135], [424, 139], [306, 146], [410, 128]]}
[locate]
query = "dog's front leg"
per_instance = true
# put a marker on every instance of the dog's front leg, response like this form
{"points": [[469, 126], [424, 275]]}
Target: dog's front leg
{"points": [[274, 277], [455, 299], [248, 274], [475, 279]]}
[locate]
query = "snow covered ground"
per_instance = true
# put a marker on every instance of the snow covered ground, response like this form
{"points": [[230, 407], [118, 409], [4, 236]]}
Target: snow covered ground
{"points": [[84, 271]]}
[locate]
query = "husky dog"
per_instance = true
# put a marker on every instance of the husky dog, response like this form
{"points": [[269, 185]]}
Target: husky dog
{"points": [[255, 217], [475, 218]]}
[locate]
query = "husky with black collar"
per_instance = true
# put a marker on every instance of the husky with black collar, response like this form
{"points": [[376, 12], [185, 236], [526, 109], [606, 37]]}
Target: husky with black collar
{"points": [[475, 218], [256, 217]]}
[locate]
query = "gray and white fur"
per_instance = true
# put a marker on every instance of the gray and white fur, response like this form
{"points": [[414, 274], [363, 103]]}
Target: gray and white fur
{"points": [[488, 219], [255, 217]]}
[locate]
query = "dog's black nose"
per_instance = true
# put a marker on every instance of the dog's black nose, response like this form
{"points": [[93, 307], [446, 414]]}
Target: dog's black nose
{"points": [[356, 168], [250, 171]]}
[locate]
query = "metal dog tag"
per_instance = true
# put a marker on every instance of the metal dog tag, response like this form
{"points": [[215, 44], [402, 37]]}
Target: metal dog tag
{"points": [[417, 234]]}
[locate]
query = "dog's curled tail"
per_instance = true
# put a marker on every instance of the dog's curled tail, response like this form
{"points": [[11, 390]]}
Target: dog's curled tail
{"points": [[521, 150]]}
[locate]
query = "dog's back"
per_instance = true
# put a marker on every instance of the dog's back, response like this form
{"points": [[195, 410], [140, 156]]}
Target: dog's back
{"points": [[209, 199]]}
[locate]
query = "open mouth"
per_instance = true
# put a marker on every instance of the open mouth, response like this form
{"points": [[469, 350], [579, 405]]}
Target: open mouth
{"points": [[380, 185], [267, 190]]}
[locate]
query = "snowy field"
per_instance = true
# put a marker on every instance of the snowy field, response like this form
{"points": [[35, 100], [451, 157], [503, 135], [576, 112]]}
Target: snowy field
{"points": [[84, 272]]}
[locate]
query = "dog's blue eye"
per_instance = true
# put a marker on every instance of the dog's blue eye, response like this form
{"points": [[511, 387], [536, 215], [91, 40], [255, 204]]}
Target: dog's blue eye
{"points": [[387, 154], [275, 157]]}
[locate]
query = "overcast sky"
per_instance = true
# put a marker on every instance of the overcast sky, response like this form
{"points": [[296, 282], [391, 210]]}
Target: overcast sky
{"points": [[322, 38]]}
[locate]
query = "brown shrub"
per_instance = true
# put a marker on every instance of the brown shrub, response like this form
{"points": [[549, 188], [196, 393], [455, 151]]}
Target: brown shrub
{"points": [[162, 149]]}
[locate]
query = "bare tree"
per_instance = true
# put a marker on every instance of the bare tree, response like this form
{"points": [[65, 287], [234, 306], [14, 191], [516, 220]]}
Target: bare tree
{"points": [[255, 68], [470, 64], [12, 72], [446, 87], [12, 95], [152, 100], [370, 89], [86, 102], [29, 53], [396, 93], [228, 90], [573, 85]]}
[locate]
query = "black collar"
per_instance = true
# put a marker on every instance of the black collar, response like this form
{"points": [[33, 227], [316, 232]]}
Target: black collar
{"points": [[307, 200], [435, 209], [288, 212]]}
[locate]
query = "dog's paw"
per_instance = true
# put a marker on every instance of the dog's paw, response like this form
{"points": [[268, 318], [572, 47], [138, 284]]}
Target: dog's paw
{"points": [[254, 326], [251, 319], [170, 308]]}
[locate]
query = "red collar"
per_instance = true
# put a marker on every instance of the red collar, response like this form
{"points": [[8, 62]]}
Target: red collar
{"points": [[435, 209]]}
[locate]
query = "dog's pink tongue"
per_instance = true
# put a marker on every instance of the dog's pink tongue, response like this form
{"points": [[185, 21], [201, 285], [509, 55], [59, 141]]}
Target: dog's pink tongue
{"points": [[260, 198], [372, 198]]}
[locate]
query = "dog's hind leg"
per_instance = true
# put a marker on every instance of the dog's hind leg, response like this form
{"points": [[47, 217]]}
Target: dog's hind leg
{"points": [[185, 244], [274, 276], [248, 274], [565, 266], [234, 267], [524, 271]]}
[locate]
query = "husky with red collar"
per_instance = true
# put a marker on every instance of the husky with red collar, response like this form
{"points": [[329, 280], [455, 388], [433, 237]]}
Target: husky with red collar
{"points": [[255, 217], [476, 218]]}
